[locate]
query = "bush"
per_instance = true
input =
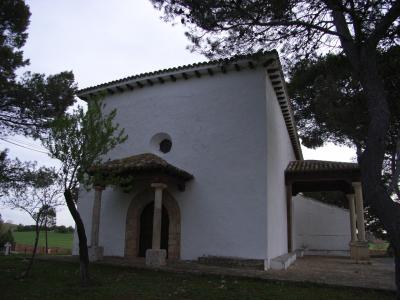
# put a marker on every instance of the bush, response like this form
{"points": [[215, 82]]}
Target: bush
{"points": [[6, 237], [61, 229], [21, 227]]}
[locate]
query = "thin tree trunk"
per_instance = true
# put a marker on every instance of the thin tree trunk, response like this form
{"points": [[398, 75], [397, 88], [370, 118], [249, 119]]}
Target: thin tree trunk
{"points": [[28, 269], [83, 248], [45, 232]]}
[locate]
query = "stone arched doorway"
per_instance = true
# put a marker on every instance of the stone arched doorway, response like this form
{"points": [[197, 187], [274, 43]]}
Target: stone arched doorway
{"points": [[133, 224]]}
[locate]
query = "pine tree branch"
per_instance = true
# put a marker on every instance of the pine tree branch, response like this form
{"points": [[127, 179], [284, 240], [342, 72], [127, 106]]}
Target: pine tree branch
{"points": [[384, 24]]}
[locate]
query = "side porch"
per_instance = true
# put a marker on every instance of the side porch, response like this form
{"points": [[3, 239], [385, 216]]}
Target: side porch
{"points": [[318, 176]]}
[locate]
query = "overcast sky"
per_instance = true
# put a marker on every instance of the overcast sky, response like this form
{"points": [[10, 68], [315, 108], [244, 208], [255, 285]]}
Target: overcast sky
{"points": [[101, 41]]}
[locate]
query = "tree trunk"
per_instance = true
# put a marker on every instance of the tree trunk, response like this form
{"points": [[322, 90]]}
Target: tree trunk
{"points": [[45, 233], [37, 232], [363, 58], [83, 248], [376, 194], [397, 274]]}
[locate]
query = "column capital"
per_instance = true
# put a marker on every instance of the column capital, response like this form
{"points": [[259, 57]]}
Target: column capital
{"points": [[356, 184], [99, 187], [159, 185]]}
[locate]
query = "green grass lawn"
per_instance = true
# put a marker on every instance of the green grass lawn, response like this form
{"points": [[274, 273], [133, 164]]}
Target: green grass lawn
{"points": [[59, 280], [55, 239]]}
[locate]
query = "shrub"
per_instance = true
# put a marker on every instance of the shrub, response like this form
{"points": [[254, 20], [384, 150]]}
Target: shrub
{"points": [[6, 237], [61, 229]]}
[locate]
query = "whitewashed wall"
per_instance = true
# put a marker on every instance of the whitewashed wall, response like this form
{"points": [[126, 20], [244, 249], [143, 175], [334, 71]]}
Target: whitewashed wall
{"points": [[218, 130], [112, 219], [279, 152], [320, 227]]}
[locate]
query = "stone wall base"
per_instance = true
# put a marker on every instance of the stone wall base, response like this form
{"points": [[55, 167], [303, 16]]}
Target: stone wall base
{"points": [[95, 253], [359, 251], [231, 262], [156, 258]]}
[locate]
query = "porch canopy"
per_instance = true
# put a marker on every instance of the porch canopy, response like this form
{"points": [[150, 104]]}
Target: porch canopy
{"points": [[318, 175], [148, 169], [143, 167]]}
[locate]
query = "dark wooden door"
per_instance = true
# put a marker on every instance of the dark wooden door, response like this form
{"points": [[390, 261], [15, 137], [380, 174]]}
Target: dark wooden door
{"points": [[146, 229]]}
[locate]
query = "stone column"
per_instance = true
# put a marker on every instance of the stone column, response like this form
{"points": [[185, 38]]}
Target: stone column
{"points": [[353, 229], [289, 217], [360, 211], [359, 248], [95, 251], [155, 256]]}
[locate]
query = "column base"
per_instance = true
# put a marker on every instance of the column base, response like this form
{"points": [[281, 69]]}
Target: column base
{"points": [[156, 258], [359, 251], [95, 253]]}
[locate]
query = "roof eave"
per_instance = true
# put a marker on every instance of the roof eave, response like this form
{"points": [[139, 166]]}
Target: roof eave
{"points": [[180, 73], [269, 60]]}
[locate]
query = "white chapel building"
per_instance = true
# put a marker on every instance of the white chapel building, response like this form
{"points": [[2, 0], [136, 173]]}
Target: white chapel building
{"points": [[217, 171]]}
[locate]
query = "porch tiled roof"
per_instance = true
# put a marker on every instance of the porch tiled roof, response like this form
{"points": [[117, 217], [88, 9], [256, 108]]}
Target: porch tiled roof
{"points": [[320, 175], [136, 164], [309, 166]]}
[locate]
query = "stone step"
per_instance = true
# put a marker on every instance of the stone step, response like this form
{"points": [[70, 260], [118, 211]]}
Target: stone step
{"points": [[283, 262]]}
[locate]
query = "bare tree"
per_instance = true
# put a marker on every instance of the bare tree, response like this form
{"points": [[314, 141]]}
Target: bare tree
{"points": [[36, 198]]}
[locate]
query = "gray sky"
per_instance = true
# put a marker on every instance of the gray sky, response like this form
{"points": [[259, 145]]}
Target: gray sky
{"points": [[101, 41]]}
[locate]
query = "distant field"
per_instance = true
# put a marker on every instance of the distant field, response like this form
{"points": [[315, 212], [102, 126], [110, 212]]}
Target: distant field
{"points": [[55, 239], [379, 246]]}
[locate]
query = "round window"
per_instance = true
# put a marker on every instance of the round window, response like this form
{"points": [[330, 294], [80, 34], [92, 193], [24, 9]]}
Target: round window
{"points": [[161, 143], [165, 145]]}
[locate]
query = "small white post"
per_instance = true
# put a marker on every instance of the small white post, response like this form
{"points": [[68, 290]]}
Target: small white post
{"points": [[7, 248]]}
